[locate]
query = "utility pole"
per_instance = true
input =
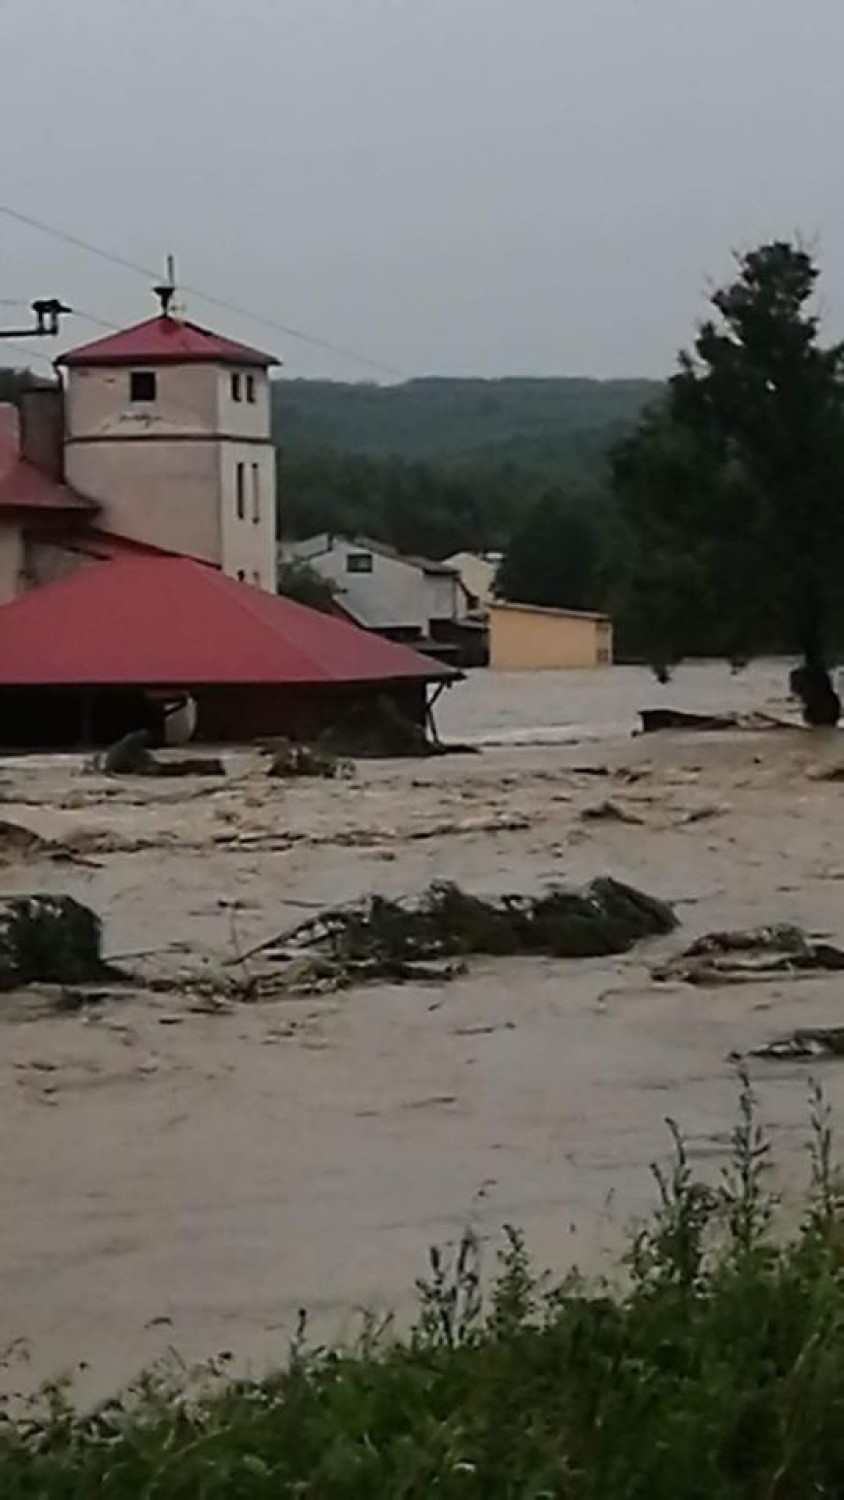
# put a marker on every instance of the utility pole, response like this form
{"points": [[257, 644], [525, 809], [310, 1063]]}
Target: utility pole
{"points": [[47, 313]]}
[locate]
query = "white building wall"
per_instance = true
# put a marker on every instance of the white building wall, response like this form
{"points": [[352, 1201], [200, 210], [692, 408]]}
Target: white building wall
{"points": [[248, 525], [441, 591], [165, 493], [166, 471], [392, 596]]}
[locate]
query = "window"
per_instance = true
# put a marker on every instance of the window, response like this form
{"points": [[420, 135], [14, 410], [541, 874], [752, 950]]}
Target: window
{"points": [[241, 576], [256, 493], [250, 389], [359, 562], [143, 385], [235, 386], [256, 579], [240, 490]]}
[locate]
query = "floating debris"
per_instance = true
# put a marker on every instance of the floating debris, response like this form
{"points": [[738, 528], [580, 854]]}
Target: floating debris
{"points": [[50, 940], [288, 759], [610, 812], [805, 1042], [654, 720], [735, 957], [430, 937], [132, 756]]}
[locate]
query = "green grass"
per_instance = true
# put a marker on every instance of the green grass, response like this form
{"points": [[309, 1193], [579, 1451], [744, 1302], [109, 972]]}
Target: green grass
{"points": [[714, 1369]]}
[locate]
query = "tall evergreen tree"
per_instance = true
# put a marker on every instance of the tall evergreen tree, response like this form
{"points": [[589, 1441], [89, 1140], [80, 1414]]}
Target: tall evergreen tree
{"points": [[733, 491]]}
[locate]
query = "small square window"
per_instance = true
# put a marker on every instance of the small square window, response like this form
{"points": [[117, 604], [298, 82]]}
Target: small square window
{"points": [[235, 386], [250, 389], [241, 576], [143, 385], [359, 562]]}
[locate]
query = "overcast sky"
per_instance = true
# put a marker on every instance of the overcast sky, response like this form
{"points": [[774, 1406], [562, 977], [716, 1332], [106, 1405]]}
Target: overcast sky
{"points": [[474, 187]]}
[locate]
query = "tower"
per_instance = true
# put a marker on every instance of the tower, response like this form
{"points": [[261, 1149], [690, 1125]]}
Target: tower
{"points": [[167, 428]]}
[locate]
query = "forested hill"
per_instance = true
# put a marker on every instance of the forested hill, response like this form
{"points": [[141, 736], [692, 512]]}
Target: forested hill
{"points": [[559, 425], [435, 466]]}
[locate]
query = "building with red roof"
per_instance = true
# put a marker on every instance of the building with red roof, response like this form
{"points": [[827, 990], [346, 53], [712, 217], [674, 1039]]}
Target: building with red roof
{"points": [[74, 654], [165, 340], [138, 554]]}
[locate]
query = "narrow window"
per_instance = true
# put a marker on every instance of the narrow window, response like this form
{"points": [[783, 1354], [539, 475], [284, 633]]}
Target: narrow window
{"points": [[250, 389], [241, 576], [143, 385], [359, 562], [256, 579], [256, 493], [235, 386], [240, 491]]}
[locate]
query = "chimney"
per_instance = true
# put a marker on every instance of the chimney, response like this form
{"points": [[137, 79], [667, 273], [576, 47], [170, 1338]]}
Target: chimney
{"points": [[42, 428]]}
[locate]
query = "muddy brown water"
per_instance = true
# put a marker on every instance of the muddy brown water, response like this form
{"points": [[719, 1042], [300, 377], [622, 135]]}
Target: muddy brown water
{"points": [[189, 1181]]}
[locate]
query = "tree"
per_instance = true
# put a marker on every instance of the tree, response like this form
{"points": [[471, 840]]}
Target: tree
{"points": [[733, 490], [297, 580], [552, 558]]}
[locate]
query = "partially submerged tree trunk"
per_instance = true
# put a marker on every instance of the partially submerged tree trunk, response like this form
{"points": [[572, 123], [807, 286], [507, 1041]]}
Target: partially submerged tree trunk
{"points": [[812, 682], [813, 685]]}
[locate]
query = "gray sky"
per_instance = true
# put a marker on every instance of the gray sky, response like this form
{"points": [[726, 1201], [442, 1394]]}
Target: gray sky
{"points": [[483, 187]]}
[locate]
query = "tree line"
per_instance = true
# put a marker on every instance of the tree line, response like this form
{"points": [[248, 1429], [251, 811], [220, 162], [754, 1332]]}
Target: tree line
{"points": [[708, 520]]}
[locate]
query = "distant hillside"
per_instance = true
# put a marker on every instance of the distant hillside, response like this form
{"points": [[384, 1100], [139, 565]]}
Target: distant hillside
{"points": [[554, 426], [435, 466]]}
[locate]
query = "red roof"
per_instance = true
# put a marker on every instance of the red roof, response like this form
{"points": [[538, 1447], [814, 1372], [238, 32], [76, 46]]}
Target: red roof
{"points": [[23, 486], [164, 341], [173, 622]]}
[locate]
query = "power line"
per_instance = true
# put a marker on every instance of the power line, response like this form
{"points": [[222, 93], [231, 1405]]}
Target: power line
{"points": [[192, 291], [29, 353]]}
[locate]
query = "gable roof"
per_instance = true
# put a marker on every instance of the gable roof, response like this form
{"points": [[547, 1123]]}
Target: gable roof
{"points": [[315, 546], [23, 486], [165, 340], [173, 622]]}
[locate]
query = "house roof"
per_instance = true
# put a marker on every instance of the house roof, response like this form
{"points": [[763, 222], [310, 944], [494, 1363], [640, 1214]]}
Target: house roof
{"points": [[313, 546], [165, 340], [545, 609], [23, 486], [173, 622]]}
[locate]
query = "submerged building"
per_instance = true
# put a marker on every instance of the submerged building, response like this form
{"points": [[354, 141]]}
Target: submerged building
{"points": [[138, 554]]}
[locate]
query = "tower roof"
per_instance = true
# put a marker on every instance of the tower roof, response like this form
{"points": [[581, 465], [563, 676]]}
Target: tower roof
{"points": [[168, 621], [166, 340]]}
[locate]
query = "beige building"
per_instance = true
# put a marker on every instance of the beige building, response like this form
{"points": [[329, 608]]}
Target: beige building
{"points": [[527, 638], [158, 437], [167, 431]]}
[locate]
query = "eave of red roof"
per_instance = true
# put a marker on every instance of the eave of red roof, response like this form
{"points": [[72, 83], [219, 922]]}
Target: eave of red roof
{"points": [[169, 621], [25, 487], [165, 340]]}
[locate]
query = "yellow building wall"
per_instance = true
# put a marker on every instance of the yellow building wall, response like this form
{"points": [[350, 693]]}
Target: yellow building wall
{"points": [[530, 640]]}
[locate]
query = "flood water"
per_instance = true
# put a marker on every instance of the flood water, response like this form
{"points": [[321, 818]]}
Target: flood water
{"points": [[189, 1180]]}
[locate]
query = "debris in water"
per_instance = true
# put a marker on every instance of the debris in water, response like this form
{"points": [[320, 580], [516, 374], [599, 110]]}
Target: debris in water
{"points": [[805, 1042], [431, 936], [733, 957], [288, 759], [610, 812], [51, 940], [132, 756], [655, 720]]}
